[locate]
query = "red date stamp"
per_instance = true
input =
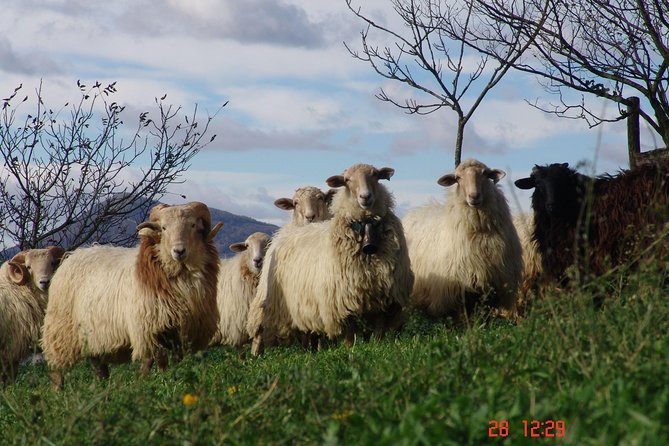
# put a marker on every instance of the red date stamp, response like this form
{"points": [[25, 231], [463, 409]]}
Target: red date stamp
{"points": [[531, 428]]}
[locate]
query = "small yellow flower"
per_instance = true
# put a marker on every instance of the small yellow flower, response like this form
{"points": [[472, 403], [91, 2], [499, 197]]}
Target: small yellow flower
{"points": [[189, 399], [232, 390], [342, 416]]}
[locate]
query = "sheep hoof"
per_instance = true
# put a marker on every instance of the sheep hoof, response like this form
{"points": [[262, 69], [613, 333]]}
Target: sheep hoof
{"points": [[256, 346]]}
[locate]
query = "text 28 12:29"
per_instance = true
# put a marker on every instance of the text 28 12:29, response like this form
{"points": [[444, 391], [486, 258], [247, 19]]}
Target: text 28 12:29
{"points": [[531, 428]]}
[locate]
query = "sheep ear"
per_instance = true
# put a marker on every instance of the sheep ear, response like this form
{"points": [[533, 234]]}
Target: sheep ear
{"points": [[495, 175], [17, 272], [565, 165], [336, 181], [286, 204], [447, 180], [238, 247], [329, 195], [217, 227], [525, 183], [385, 173]]}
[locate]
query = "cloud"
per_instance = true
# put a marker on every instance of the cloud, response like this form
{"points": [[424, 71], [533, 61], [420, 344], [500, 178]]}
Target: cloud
{"points": [[29, 63], [270, 22], [234, 136]]}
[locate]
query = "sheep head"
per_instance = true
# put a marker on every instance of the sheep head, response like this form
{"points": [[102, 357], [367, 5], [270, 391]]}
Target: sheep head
{"points": [[473, 178], [557, 187], [179, 230], [309, 204], [37, 265], [362, 183], [256, 245]]}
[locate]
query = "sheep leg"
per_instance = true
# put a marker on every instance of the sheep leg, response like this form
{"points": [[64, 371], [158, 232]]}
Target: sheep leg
{"points": [[8, 374], [240, 351], [162, 360], [350, 330], [101, 368], [146, 367], [257, 345], [57, 380]]}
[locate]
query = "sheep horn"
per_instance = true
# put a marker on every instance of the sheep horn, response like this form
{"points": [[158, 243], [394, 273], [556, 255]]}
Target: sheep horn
{"points": [[56, 251], [201, 210], [153, 215], [17, 271], [214, 231], [19, 258]]}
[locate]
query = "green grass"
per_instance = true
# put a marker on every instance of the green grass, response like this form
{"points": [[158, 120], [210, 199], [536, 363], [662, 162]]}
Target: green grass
{"points": [[603, 371]]}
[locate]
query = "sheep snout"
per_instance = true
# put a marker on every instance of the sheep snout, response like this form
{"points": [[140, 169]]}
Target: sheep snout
{"points": [[365, 200], [179, 253], [44, 284], [474, 199]]}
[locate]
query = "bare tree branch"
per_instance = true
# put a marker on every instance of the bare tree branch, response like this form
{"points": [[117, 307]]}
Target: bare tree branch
{"points": [[436, 45], [75, 175], [612, 49]]}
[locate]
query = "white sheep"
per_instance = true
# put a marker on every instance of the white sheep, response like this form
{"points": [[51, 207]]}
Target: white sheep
{"points": [[467, 249], [321, 277], [24, 281], [237, 283], [309, 205], [114, 304], [532, 268]]}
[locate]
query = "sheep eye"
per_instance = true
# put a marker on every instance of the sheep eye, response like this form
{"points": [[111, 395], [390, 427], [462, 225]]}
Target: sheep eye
{"points": [[28, 267], [164, 228], [192, 225]]}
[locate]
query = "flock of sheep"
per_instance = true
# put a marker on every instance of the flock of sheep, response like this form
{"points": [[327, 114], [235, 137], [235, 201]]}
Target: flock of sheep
{"points": [[344, 266]]}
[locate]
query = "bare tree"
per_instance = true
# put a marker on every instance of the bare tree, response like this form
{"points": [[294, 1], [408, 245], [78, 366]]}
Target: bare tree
{"points": [[432, 40], [76, 174], [612, 49]]}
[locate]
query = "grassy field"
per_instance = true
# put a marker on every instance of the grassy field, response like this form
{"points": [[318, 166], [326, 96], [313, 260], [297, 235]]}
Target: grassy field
{"points": [[603, 372]]}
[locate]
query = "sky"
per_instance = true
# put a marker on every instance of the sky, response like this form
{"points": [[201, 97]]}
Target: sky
{"points": [[300, 107]]}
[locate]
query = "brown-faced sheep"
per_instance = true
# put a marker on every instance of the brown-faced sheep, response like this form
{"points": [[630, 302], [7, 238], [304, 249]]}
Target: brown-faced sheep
{"points": [[114, 304], [24, 281], [321, 277], [467, 249], [237, 283], [309, 205]]}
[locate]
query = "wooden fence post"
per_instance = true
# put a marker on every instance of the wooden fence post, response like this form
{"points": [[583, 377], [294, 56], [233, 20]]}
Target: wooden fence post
{"points": [[633, 138]]}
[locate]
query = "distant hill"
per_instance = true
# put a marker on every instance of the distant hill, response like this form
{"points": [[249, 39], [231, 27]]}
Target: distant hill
{"points": [[236, 228]]}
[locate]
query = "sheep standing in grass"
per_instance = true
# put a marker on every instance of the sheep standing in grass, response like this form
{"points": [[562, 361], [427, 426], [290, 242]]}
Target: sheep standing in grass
{"points": [[309, 205], [114, 304], [596, 223], [24, 281], [321, 277], [532, 268], [467, 249], [237, 283]]}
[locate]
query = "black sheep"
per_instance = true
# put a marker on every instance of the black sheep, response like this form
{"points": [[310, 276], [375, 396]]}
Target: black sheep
{"points": [[597, 222]]}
